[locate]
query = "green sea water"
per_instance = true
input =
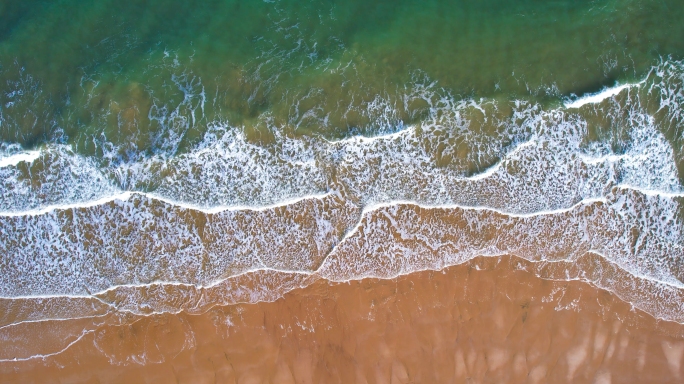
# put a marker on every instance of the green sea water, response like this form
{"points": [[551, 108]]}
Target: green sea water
{"points": [[143, 74]]}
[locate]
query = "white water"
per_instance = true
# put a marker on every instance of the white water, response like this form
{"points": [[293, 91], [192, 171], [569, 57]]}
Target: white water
{"points": [[72, 227], [17, 158], [595, 98]]}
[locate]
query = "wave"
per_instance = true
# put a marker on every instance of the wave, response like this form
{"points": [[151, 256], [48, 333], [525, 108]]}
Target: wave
{"points": [[604, 94], [149, 243], [541, 158], [472, 178]]}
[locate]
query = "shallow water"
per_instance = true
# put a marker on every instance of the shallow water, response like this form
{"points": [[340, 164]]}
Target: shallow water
{"points": [[159, 160], [423, 327]]}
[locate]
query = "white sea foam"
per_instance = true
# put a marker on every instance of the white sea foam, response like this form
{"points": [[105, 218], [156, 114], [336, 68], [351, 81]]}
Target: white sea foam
{"points": [[17, 158], [141, 240], [125, 196], [595, 98], [354, 207], [55, 176]]}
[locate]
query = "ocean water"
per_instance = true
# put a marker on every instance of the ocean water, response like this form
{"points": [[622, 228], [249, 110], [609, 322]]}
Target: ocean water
{"points": [[165, 157]]}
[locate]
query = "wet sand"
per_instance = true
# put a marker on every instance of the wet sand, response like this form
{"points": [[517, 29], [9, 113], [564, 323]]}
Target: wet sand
{"points": [[489, 320]]}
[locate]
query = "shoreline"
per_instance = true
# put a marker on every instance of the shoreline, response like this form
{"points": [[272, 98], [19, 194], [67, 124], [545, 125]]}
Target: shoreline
{"points": [[488, 319]]}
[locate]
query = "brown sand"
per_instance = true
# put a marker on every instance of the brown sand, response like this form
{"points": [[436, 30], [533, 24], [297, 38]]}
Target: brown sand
{"points": [[489, 320]]}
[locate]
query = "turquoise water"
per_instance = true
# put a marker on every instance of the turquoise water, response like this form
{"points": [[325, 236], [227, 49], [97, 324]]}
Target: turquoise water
{"points": [[87, 69]]}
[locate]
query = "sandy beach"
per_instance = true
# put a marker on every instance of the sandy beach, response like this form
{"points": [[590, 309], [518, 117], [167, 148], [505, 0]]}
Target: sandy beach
{"points": [[489, 320]]}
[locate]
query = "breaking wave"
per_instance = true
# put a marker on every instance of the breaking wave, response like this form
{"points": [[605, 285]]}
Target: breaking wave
{"points": [[590, 190]]}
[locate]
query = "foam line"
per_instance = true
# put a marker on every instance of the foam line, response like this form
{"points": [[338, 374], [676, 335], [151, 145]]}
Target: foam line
{"points": [[489, 172], [595, 98], [123, 196], [590, 282], [55, 319], [41, 356], [223, 208], [155, 283], [603, 256], [126, 195]]}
